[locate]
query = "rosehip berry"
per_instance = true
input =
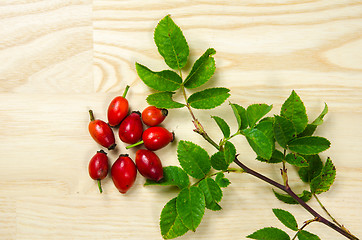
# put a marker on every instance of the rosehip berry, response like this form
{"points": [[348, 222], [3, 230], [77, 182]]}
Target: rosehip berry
{"points": [[118, 109], [98, 167], [101, 132], [149, 165], [152, 116], [155, 138], [131, 128], [123, 173]]}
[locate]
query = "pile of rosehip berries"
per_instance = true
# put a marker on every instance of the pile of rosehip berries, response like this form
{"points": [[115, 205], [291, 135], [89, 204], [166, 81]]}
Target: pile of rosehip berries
{"points": [[130, 131]]}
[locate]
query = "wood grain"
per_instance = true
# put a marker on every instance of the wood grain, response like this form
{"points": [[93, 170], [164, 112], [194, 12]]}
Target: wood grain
{"points": [[62, 57]]}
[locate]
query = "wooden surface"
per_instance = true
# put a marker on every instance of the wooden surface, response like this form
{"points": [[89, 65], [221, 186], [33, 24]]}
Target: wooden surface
{"points": [[60, 58]]}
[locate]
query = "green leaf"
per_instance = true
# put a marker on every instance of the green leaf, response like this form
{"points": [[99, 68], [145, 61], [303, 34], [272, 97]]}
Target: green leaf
{"points": [[212, 192], [304, 235], [162, 81], [218, 161], [229, 152], [286, 218], [221, 180], [170, 223], [163, 100], [202, 70], [267, 127], [190, 204], [259, 142], [240, 114], [294, 110], [256, 111], [309, 145], [305, 196], [171, 43], [325, 179], [208, 98], [313, 170], [309, 130], [284, 131], [222, 125], [269, 233], [276, 157], [172, 176], [296, 160], [193, 159]]}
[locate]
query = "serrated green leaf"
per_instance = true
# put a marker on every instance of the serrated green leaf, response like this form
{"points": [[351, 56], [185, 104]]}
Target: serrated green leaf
{"points": [[240, 114], [163, 100], [255, 112], [267, 127], [162, 81], [269, 233], [294, 110], [222, 125], [296, 160], [305, 196], [309, 145], [259, 142], [208, 98], [190, 204], [304, 235], [313, 170], [202, 70], [171, 43], [170, 223], [172, 176], [212, 193], [284, 131], [325, 179], [193, 159], [218, 161], [229, 152], [286, 218], [276, 157], [309, 130], [221, 180]]}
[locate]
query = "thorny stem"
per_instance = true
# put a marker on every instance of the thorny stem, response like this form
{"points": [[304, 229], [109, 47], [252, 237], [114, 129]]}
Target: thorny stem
{"points": [[322, 206], [200, 130], [304, 225]]}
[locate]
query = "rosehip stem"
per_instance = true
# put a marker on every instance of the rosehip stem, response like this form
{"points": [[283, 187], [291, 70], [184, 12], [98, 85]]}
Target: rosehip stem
{"points": [[125, 91], [135, 144], [91, 116], [99, 186]]}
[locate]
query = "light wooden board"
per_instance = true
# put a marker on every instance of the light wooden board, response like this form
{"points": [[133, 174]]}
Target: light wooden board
{"points": [[60, 58]]}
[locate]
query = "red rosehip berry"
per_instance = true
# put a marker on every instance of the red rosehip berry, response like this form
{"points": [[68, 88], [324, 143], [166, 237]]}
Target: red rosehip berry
{"points": [[98, 167], [101, 132], [152, 116], [123, 173], [131, 128], [155, 138], [118, 109], [149, 165]]}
